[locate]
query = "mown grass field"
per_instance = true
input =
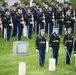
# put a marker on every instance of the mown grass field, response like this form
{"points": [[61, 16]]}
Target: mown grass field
{"points": [[9, 63]]}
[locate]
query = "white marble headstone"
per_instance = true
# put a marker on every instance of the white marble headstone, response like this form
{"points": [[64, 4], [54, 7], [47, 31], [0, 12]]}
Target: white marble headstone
{"points": [[52, 66], [11, 2], [22, 68], [20, 48], [31, 4], [62, 1]]}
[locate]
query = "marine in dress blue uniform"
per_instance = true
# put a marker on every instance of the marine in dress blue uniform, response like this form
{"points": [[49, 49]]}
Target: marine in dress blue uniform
{"points": [[54, 44], [54, 9], [65, 8], [41, 46], [43, 4], [24, 10], [13, 14], [68, 43], [53, 6], [29, 22], [45, 9], [19, 23], [68, 20], [2, 15], [36, 23], [7, 22], [75, 47], [0, 22], [60, 19], [72, 15], [40, 18], [33, 11], [50, 20]]}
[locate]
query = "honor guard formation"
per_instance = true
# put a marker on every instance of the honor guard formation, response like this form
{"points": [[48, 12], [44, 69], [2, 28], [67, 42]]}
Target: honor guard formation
{"points": [[47, 18]]}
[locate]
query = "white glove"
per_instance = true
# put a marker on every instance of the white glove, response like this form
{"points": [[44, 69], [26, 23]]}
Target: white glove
{"points": [[22, 22], [64, 29], [65, 47], [36, 50], [50, 48], [75, 55]]}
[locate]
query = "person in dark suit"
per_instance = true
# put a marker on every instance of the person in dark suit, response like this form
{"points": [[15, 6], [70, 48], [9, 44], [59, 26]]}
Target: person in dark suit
{"points": [[45, 9], [68, 20], [50, 20], [53, 6], [33, 11], [65, 7], [19, 22], [13, 14], [59, 19], [68, 44], [40, 18], [75, 47], [54, 43], [2, 15], [0, 22], [43, 4], [36, 22], [7, 21], [24, 10], [41, 46], [72, 15], [29, 22]]}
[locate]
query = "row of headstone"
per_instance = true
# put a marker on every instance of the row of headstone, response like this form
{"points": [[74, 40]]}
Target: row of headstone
{"points": [[11, 2], [22, 66], [19, 1], [62, 1]]}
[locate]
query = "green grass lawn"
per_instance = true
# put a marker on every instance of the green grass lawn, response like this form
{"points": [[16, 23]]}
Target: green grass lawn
{"points": [[9, 63]]}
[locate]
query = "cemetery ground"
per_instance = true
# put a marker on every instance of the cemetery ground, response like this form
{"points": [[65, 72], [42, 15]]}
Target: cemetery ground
{"points": [[9, 64]]}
